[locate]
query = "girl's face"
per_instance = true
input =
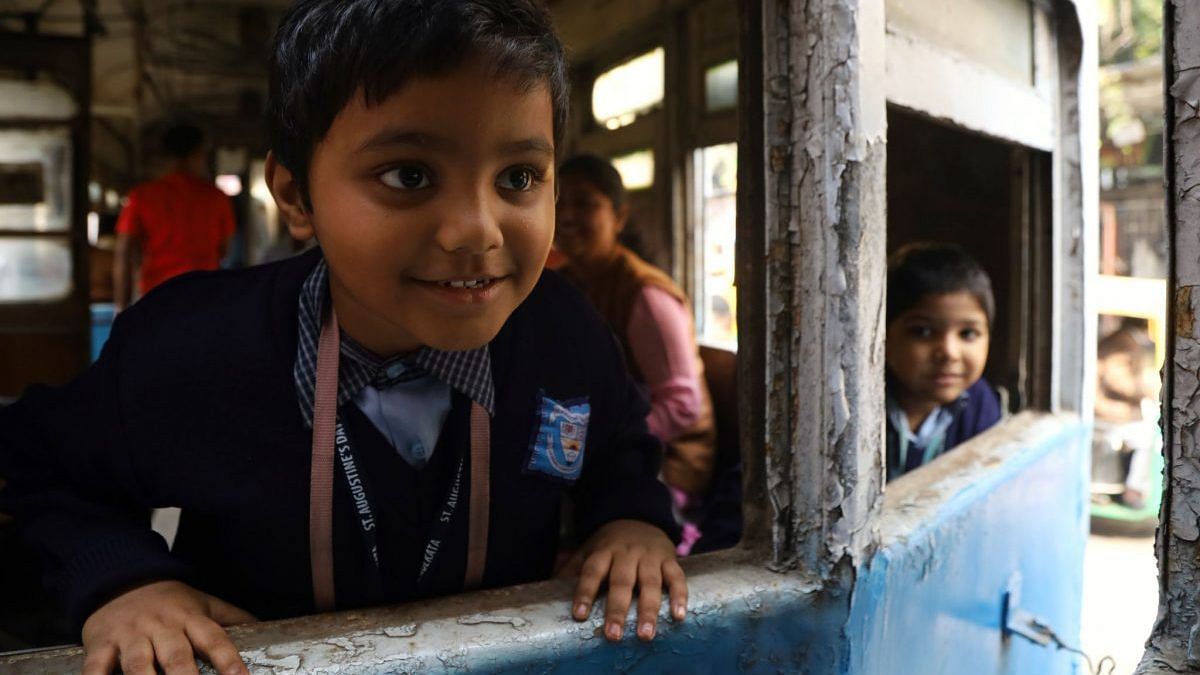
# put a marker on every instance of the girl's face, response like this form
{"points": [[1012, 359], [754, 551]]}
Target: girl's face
{"points": [[587, 222]]}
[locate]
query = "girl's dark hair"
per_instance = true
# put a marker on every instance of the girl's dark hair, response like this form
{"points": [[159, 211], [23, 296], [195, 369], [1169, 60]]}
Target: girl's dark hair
{"points": [[327, 50], [925, 268], [599, 172]]}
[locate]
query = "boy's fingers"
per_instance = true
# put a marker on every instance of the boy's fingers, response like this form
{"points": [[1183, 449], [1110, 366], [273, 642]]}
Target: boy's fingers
{"points": [[226, 614], [214, 645], [137, 657], [649, 598], [591, 575], [174, 653], [620, 592], [676, 582], [99, 660]]}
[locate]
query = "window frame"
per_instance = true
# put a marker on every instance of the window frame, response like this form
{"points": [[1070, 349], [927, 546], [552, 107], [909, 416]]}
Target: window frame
{"points": [[810, 309], [1173, 645]]}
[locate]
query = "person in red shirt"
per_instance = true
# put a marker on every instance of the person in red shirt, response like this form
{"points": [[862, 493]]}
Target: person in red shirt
{"points": [[180, 221]]}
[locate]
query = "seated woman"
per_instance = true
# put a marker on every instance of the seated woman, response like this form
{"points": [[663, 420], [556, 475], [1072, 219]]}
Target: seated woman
{"points": [[649, 313]]}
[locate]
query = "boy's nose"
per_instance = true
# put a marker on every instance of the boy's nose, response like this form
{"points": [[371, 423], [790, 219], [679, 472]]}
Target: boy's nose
{"points": [[470, 227]]}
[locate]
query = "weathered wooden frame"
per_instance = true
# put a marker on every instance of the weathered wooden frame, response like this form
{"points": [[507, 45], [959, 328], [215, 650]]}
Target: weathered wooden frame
{"points": [[1174, 644]]}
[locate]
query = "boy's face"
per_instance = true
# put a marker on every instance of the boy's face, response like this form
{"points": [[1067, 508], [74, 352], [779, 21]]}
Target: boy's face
{"points": [[434, 208], [938, 348]]}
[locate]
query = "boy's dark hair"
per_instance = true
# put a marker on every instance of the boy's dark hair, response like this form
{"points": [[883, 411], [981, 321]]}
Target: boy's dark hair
{"points": [[599, 172], [925, 268], [181, 140], [327, 50]]}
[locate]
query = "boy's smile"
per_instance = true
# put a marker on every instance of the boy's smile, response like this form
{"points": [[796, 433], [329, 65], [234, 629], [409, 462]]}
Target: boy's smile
{"points": [[434, 208], [936, 350]]}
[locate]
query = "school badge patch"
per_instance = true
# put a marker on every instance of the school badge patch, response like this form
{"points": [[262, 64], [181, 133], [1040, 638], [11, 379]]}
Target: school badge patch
{"points": [[558, 441]]}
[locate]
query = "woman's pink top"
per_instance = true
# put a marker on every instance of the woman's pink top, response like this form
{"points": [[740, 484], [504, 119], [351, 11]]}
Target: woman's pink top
{"points": [[660, 337]]}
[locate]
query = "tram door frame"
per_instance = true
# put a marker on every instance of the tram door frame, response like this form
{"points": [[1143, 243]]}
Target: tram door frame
{"points": [[49, 341]]}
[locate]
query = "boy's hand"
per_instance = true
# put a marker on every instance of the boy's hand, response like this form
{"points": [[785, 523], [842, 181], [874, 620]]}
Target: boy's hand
{"points": [[163, 622], [628, 553]]}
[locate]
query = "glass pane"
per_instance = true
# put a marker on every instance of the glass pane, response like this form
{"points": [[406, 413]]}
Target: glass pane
{"points": [[34, 270], [632, 88], [37, 99], [716, 310], [35, 180], [720, 87], [636, 169]]}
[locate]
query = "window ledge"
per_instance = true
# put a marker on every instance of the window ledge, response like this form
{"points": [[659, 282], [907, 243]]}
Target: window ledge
{"points": [[523, 626], [913, 500]]}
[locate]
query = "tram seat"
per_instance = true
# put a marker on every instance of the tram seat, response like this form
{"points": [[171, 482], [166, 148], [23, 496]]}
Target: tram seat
{"points": [[721, 525]]}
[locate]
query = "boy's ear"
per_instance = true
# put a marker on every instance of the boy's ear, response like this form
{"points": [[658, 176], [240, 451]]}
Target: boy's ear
{"points": [[622, 217], [286, 191]]}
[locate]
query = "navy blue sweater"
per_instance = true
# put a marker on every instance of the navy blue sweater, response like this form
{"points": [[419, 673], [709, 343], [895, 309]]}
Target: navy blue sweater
{"points": [[973, 414], [192, 404]]}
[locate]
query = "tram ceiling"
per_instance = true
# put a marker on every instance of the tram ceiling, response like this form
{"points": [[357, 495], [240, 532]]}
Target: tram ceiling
{"points": [[159, 60]]}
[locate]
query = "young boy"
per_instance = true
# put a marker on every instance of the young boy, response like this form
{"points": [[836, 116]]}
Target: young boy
{"points": [[939, 316], [325, 423]]}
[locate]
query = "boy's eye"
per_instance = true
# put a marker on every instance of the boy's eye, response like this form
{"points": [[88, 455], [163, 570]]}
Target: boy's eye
{"points": [[519, 179], [410, 177]]}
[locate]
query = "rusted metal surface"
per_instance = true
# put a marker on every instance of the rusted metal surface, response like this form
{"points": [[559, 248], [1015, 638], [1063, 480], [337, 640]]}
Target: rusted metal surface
{"points": [[741, 617], [1175, 642], [820, 289]]}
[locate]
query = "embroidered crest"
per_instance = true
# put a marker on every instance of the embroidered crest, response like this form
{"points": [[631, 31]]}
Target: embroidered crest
{"points": [[558, 442]]}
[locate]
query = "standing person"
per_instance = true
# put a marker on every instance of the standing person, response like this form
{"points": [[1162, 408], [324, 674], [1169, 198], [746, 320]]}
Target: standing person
{"points": [[180, 222], [396, 414], [649, 313], [940, 311]]}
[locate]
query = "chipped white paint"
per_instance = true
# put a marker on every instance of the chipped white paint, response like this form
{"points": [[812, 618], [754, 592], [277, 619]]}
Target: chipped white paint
{"points": [[482, 631], [1174, 645], [825, 226]]}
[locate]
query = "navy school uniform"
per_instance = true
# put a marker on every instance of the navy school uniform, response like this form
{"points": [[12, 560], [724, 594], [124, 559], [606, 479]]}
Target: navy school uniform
{"points": [[976, 410], [193, 404]]}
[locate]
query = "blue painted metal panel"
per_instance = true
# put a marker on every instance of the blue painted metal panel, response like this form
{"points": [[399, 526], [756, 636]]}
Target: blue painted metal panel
{"points": [[103, 314], [931, 601]]}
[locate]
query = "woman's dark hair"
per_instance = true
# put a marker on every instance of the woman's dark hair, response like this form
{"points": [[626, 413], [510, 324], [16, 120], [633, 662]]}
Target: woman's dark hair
{"points": [[926, 268], [327, 50], [599, 172], [181, 140]]}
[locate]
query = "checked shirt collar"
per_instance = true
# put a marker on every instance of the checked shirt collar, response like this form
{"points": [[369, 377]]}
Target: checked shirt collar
{"points": [[469, 372]]}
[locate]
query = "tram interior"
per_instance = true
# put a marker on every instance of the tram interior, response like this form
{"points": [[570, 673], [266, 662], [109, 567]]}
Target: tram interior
{"points": [[673, 137]]}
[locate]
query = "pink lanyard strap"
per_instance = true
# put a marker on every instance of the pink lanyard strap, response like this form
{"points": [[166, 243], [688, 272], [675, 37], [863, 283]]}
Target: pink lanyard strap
{"points": [[320, 506]]}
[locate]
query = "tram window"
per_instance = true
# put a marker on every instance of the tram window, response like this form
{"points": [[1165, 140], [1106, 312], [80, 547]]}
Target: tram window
{"points": [[636, 169], [990, 197], [622, 93], [716, 297], [21, 183], [720, 87], [34, 269], [35, 162]]}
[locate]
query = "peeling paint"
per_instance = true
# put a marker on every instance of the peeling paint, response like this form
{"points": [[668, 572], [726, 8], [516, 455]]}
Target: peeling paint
{"points": [[740, 616], [1173, 644]]}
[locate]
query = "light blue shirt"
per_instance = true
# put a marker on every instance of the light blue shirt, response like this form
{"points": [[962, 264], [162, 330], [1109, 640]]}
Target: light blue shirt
{"points": [[409, 414], [927, 439]]}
